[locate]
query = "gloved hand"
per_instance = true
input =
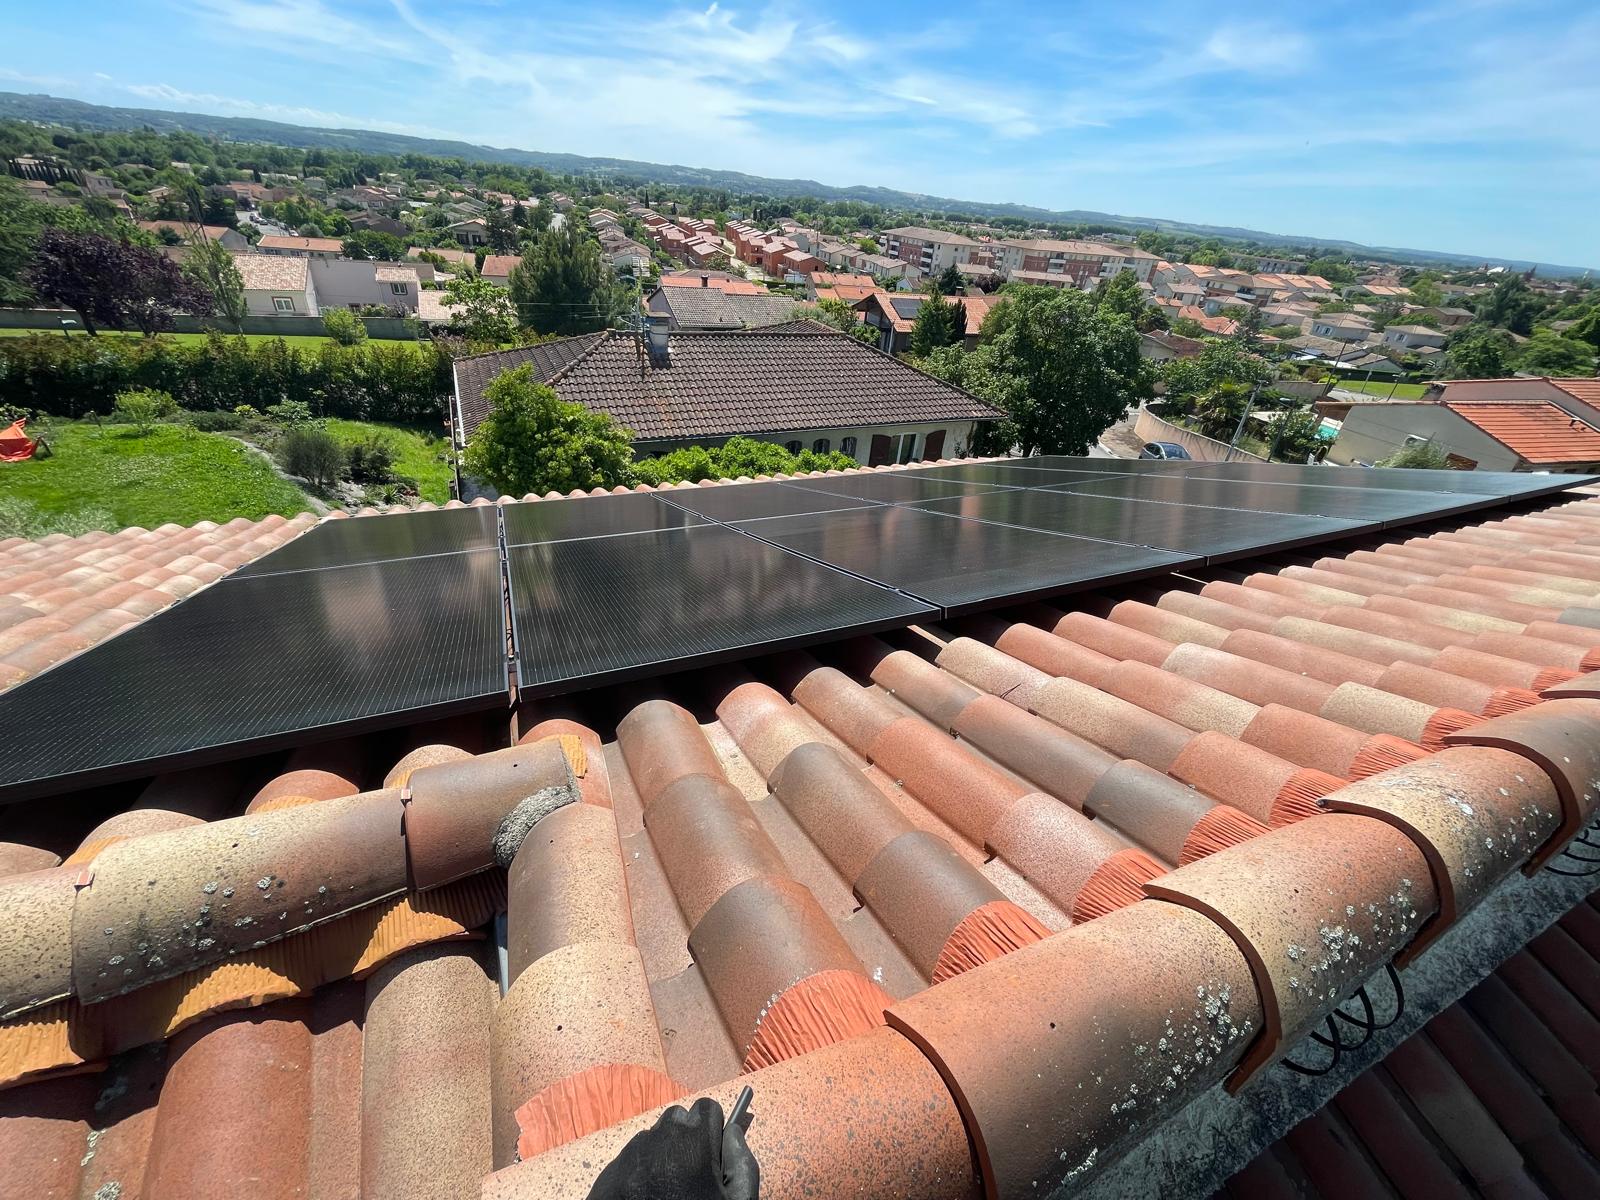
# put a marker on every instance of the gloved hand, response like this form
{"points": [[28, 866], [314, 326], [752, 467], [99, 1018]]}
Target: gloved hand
{"points": [[684, 1156]]}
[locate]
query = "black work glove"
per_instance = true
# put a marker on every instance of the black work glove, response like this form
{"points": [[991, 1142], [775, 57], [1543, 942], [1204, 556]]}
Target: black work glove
{"points": [[684, 1156]]}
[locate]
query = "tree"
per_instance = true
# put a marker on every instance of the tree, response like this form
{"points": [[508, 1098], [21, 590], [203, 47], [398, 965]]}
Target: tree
{"points": [[1511, 305], [950, 281], [1425, 290], [344, 327], [1587, 328], [1061, 369], [313, 454], [502, 231], [533, 441], [481, 311], [1296, 434], [1334, 270], [211, 267], [1478, 353], [1220, 362], [867, 245], [845, 319], [143, 407], [1547, 352], [110, 282], [939, 322], [561, 285], [371, 244], [1121, 294]]}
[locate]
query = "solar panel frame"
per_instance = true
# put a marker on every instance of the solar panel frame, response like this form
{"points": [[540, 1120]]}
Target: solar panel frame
{"points": [[374, 645], [535, 521], [947, 560], [394, 536], [1503, 485], [601, 597], [757, 501], [894, 487], [1003, 474]]}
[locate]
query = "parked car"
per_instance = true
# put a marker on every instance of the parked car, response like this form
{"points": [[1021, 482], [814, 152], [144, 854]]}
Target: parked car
{"points": [[1163, 450]]}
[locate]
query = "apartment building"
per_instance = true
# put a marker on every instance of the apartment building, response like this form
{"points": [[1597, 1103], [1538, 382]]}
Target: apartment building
{"points": [[1085, 263], [930, 250]]}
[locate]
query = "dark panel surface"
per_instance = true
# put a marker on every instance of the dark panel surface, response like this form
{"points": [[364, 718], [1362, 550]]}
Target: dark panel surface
{"points": [[604, 609], [1005, 474], [377, 539], [1486, 483], [749, 501], [893, 487], [249, 661], [959, 564], [1107, 466], [1354, 504], [590, 516], [1212, 533]]}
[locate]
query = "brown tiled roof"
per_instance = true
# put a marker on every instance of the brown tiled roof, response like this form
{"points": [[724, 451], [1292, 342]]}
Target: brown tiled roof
{"points": [[719, 384], [947, 901], [721, 281], [185, 229], [1538, 431], [61, 595], [498, 264], [324, 245], [273, 272]]}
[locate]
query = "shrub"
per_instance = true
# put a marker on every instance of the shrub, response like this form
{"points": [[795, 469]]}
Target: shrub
{"points": [[371, 460], [313, 454], [533, 441], [290, 413], [143, 407], [343, 326], [215, 422], [738, 456], [1426, 456]]}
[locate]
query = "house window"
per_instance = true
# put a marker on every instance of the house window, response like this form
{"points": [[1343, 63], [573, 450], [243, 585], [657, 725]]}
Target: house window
{"points": [[398, 289], [821, 445], [792, 447], [847, 446], [283, 304], [908, 448]]}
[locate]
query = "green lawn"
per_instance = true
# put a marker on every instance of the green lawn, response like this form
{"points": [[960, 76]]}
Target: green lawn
{"points": [[109, 477], [1376, 387], [417, 454], [294, 339]]}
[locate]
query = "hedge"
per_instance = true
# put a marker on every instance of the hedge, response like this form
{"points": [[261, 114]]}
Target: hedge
{"points": [[401, 382]]}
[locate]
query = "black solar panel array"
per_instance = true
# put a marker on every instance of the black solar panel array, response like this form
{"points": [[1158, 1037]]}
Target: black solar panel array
{"points": [[363, 623]]}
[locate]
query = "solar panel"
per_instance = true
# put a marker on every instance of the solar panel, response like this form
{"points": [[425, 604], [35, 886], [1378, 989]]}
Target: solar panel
{"points": [[250, 663], [1106, 466], [1009, 475], [1487, 483], [605, 609], [749, 501], [590, 516], [368, 539], [898, 487], [957, 564], [1355, 504], [1215, 534]]}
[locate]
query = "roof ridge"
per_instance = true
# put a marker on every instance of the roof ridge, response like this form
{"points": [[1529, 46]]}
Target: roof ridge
{"points": [[599, 339]]}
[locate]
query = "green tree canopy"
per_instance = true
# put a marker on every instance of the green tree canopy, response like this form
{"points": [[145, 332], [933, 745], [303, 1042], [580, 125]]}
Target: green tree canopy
{"points": [[950, 281], [561, 285], [939, 322], [481, 311], [845, 319], [1121, 294], [1547, 352], [1478, 353], [369, 243], [533, 441], [1511, 305], [1587, 328], [1334, 270], [210, 266]]}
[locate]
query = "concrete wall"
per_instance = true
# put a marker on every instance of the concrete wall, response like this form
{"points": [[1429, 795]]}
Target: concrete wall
{"points": [[262, 302], [1151, 428], [1375, 431], [381, 328], [957, 437]]}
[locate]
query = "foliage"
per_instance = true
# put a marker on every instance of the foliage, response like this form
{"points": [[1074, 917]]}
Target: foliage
{"points": [[950, 282], [1334, 270], [106, 478], [737, 456], [481, 311], [867, 245], [939, 323], [343, 326], [1188, 327], [1219, 363], [1424, 455], [1295, 434], [561, 286], [25, 519], [1587, 328], [1478, 353], [21, 222], [1547, 352], [422, 459], [533, 441], [845, 319], [110, 282], [143, 407], [1425, 290], [1510, 305], [1217, 412], [371, 244], [312, 454], [211, 268], [1061, 368], [1121, 294], [370, 459], [72, 376]]}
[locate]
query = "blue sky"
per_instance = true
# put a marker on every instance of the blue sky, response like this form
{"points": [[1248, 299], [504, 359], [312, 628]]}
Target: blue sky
{"points": [[1460, 125]]}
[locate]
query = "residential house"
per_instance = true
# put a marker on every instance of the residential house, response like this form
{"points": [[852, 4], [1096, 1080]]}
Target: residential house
{"points": [[1083, 262], [1161, 346], [277, 286], [707, 307], [301, 247], [800, 385], [1447, 318], [366, 197], [397, 284], [1413, 337], [1341, 327], [456, 258], [1579, 397], [625, 255], [474, 231], [929, 250], [894, 316], [1378, 290], [496, 268], [248, 194], [798, 264], [1489, 435], [732, 285], [833, 279], [188, 232], [890, 270], [378, 222]]}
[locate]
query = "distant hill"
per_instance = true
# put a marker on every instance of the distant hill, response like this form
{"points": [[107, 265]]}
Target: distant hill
{"points": [[59, 111]]}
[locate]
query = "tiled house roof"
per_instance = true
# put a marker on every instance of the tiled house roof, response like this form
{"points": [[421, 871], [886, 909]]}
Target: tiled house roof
{"points": [[272, 272], [971, 909], [712, 308], [1538, 431], [720, 384]]}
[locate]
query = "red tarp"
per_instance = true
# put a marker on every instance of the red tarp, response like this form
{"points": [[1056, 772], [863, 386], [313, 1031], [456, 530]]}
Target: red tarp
{"points": [[15, 445]]}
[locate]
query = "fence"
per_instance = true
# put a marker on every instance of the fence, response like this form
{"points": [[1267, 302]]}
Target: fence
{"points": [[1152, 428], [378, 328]]}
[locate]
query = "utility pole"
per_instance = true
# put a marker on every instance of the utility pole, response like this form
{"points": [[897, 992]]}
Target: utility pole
{"points": [[1243, 417]]}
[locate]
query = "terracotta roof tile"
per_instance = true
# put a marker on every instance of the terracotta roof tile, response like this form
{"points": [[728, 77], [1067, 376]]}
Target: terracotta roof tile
{"points": [[1538, 432]]}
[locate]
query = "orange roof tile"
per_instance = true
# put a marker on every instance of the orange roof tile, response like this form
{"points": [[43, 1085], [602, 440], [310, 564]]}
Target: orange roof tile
{"points": [[1537, 430]]}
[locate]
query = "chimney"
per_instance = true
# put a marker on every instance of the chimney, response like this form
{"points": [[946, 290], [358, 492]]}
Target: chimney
{"points": [[655, 338], [705, 281]]}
